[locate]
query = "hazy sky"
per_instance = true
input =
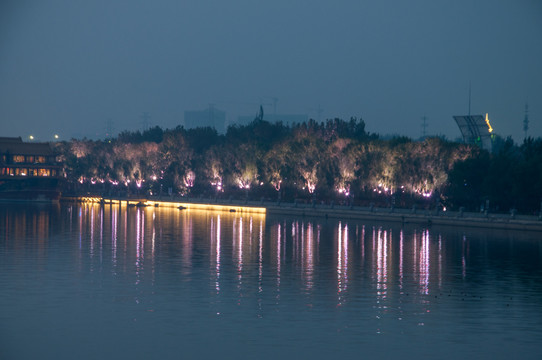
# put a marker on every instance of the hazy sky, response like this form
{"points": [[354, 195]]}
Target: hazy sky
{"points": [[67, 66]]}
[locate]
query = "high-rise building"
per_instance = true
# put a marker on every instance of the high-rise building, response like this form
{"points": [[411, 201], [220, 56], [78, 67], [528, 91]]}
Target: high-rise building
{"points": [[210, 117]]}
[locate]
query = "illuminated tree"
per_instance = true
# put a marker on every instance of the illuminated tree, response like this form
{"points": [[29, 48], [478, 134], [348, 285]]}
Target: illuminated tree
{"points": [[276, 166], [305, 153]]}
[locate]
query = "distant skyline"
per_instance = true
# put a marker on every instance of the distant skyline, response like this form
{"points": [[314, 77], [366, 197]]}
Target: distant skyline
{"points": [[73, 68]]}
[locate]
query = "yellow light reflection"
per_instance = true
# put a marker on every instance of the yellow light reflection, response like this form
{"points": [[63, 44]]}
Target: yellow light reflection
{"points": [[238, 253], [424, 263], [216, 243], [101, 229], [401, 251], [91, 231], [114, 224], [279, 242], [260, 257], [382, 265], [308, 257], [139, 247], [187, 243], [342, 262], [260, 268]]}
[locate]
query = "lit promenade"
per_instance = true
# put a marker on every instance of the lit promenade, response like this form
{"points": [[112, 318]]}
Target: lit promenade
{"points": [[404, 216]]}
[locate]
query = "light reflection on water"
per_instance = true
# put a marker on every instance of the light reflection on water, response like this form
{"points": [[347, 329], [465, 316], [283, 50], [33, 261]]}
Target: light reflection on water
{"points": [[90, 280]]}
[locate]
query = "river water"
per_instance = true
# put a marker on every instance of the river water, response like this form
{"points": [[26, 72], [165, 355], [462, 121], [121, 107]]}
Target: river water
{"points": [[89, 281]]}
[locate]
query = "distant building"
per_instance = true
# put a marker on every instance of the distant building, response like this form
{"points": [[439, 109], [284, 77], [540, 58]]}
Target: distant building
{"points": [[28, 171], [286, 119], [211, 117], [476, 130]]}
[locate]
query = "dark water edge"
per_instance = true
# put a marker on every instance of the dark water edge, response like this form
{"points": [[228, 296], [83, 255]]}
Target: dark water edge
{"points": [[83, 281]]}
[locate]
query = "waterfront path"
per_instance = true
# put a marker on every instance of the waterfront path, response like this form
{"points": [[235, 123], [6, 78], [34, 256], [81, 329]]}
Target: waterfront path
{"points": [[404, 216]]}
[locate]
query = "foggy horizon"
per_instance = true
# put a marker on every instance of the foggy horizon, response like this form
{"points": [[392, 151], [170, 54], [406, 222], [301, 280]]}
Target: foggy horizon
{"points": [[67, 67]]}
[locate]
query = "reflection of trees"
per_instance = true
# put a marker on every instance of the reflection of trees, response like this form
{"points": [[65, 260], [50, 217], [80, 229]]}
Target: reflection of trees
{"points": [[325, 161]]}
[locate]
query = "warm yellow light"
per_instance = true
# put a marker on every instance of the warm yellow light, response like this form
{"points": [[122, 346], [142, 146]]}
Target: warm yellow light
{"points": [[56, 136], [31, 137], [488, 124], [204, 207]]}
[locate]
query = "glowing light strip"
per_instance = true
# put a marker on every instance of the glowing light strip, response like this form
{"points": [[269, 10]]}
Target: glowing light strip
{"points": [[187, 206]]}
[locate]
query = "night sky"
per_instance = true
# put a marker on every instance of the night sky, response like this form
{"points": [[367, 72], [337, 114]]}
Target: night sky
{"points": [[67, 66]]}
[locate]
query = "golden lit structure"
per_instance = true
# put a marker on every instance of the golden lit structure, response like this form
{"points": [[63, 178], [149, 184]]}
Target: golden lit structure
{"points": [[178, 205]]}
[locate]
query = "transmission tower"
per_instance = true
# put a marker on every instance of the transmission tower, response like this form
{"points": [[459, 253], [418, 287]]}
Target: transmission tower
{"points": [[145, 121], [109, 128], [319, 111], [526, 120], [424, 126]]}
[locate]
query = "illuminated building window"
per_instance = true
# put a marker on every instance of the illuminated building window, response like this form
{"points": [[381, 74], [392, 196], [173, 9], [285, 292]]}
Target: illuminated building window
{"points": [[30, 159], [40, 159], [18, 158], [44, 172]]}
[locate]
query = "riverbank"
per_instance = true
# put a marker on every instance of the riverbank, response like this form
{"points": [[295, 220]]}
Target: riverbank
{"points": [[403, 216]]}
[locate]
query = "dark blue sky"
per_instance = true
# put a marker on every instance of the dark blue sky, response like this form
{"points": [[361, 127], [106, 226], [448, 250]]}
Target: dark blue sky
{"points": [[67, 66]]}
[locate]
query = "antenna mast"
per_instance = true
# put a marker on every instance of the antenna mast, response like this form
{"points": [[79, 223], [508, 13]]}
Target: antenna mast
{"points": [[469, 96]]}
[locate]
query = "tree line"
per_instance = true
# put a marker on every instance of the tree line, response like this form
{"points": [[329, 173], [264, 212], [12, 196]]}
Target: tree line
{"points": [[334, 160]]}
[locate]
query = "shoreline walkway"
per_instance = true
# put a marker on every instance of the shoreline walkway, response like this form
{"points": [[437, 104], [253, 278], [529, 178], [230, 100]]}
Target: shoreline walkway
{"points": [[403, 216]]}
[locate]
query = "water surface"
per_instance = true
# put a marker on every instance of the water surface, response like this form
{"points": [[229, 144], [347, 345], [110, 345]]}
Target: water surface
{"points": [[90, 281]]}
